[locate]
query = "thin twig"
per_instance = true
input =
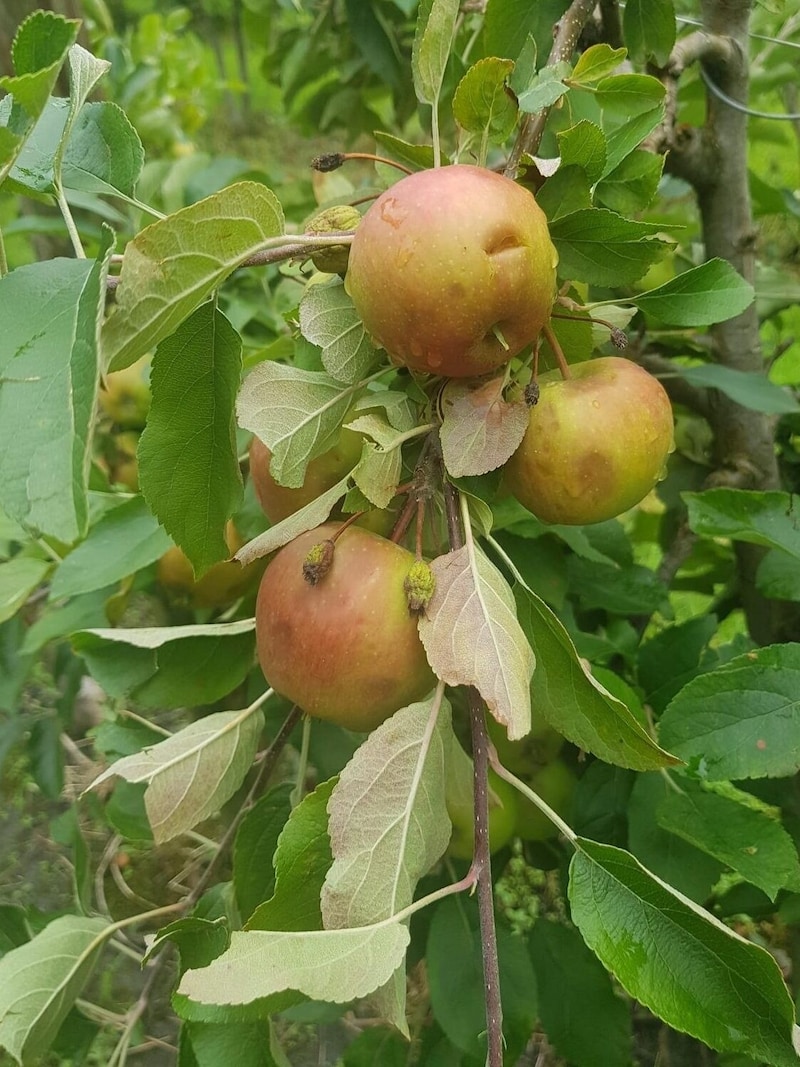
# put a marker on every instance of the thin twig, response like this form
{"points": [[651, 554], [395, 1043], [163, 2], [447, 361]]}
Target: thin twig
{"points": [[568, 30]]}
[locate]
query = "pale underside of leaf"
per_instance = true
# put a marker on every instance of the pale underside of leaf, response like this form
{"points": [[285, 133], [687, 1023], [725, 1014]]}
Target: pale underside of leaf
{"points": [[193, 773], [331, 965], [472, 637], [480, 429], [297, 414]]}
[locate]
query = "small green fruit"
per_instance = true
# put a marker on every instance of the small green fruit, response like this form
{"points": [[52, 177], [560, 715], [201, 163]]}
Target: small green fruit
{"points": [[503, 814], [334, 259], [555, 784], [419, 586]]}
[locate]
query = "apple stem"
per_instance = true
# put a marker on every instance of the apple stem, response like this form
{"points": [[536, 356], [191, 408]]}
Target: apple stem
{"points": [[349, 522], [618, 337], [481, 861], [420, 524], [552, 340], [404, 520], [334, 160]]}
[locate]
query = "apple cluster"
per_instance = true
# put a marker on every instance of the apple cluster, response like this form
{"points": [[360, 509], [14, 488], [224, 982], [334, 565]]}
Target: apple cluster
{"points": [[453, 273]]}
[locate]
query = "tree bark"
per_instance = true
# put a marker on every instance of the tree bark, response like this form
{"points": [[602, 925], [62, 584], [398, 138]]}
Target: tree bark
{"points": [[714, 160]]}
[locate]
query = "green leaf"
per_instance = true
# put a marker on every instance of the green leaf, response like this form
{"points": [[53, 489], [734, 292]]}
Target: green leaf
{"points": [[40, 980], [455, 980], [301, 862], [600, 247], [482, 103], [574, 702], [188, 463], [328, 318], [298, 415], [585, 145], [545, 88], [752, 390], [737, 830], [246, 1044], [172, 666], [761, 518], [632, 184], [702, 296], [38, 52], [778, 576], [59, 620], [18, 579], [649, 30], [741, 720], [174, 265], [103, 154], [49, 368], [254, 848], [121, 543], [672, 658], [436, 21], [378, 472], [596, 63], [416, 156], [579, 1010], [632, 107], [679, 961], [567, 191], [681, 865], [192, 774], [199, 941]]}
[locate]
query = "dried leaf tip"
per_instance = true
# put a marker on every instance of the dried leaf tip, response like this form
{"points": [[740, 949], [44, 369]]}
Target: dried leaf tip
{"points": [[419, 585], [318, 562]]}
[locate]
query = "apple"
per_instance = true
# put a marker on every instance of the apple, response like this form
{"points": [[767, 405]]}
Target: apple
{"points": [[596, 443], [452, 270], [540, 745], [503, 814], [125, 396], [345, 649], [555, 784], [221, 584], [279, 501]]}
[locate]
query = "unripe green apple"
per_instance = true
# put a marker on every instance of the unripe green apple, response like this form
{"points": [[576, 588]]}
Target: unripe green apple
{"points": [[323, 472], [125, 396], [503, 815], [453, 271], [540, 745], [596, 443], [555, 784], [221, 584], [334, 259], [347, 648]]}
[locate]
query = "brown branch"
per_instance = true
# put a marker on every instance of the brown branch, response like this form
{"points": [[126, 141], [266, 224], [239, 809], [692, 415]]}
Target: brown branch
{"points": [[481, 861], [568, 30]]}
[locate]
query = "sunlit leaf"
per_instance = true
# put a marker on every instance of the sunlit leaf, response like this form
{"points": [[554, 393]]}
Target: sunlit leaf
{"points": [[173, 265]]}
